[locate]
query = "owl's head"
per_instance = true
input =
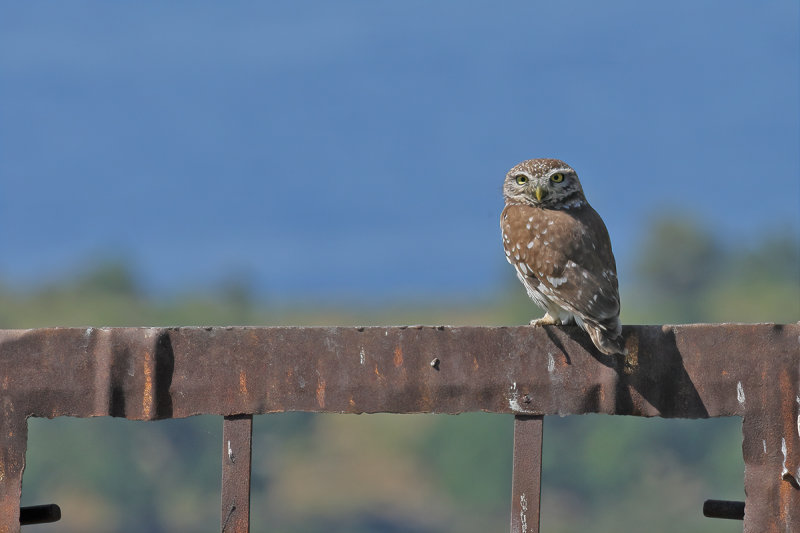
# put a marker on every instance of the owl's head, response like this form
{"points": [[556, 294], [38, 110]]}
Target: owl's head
{"points": [[543, 183]]}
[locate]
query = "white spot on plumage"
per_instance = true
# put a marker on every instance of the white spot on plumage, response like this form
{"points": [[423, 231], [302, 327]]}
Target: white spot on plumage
{"points": [[530, 245], [574, 204], [541, 286], [555, 282], [549, 222], [528, 225]]}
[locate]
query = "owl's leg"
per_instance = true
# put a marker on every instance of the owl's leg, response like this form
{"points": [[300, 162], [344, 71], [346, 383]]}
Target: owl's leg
{"points": [[546, 320]]}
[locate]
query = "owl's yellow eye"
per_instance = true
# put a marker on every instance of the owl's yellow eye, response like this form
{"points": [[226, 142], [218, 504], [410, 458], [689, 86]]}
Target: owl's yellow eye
{"points": [[522, 179], [558, 177]]}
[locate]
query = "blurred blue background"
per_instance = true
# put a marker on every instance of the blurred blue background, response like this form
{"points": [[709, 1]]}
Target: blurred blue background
{"points": [[315, 162], [328, 150]]}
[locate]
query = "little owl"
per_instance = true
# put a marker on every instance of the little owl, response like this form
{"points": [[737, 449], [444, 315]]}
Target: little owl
{"points": [[560, 249]]}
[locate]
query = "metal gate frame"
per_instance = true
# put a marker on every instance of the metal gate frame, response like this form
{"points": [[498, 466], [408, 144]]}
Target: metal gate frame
{"points": [[689, 371]]}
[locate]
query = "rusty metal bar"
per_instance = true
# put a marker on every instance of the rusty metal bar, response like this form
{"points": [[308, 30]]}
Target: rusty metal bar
{"points": [[13, 444], [526, 482], [687, 371], [237, 436], [39, 514], [723, 509]]}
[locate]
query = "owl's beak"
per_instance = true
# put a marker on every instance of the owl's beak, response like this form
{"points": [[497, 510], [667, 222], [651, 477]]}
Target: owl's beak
{"points": [[540, 192]]}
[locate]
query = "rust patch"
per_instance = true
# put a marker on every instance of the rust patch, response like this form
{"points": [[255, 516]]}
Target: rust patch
{"points": [[321, 392], [632, 357], [147, 393], [398, 356], [786, 490], [242, 383], [425, 402]]}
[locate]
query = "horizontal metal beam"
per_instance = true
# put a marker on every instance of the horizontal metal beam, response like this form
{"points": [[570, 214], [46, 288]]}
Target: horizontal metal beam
{"points": [[691, 371], [694, 371]]}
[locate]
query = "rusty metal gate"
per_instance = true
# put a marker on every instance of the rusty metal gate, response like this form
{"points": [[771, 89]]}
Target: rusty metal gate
{"points": [[692, 371]]}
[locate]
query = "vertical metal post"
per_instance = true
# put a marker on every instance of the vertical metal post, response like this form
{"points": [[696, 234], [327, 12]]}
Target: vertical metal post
{"points": [[237, 437], [13, 442], [526, 480]]}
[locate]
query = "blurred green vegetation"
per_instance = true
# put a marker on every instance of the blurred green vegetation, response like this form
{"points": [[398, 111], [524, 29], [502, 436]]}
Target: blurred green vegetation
{"points": [[420, 473]]}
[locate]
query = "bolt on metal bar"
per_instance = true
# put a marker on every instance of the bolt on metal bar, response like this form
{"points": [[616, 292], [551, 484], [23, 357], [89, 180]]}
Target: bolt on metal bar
{"points": [[39, 514], [723, 509], [237, 437], [526, 479]]}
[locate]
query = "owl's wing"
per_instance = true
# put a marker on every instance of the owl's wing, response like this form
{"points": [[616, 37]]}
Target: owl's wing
{"points": [[592, 297], [579, 271]]}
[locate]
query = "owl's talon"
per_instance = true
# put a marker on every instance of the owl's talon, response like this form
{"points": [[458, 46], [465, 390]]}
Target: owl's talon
{"points": [[546, 320]]}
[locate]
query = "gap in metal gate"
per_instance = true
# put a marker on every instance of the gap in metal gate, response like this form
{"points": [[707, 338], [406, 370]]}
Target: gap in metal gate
{"points": [[337, 472], [639, 474]]}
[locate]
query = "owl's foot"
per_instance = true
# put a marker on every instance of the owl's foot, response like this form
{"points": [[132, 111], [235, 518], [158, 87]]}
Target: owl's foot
{"points": [[546, 320]]}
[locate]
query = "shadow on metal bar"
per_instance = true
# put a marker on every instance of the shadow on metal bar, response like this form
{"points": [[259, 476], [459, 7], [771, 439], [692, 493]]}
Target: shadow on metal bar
{"points": [[689, 371]]}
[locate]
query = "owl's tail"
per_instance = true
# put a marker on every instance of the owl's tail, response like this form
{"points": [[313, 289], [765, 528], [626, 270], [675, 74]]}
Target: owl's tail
{"points": [[605, 343], [608, 342]]}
